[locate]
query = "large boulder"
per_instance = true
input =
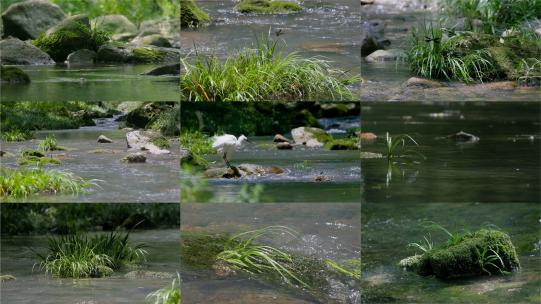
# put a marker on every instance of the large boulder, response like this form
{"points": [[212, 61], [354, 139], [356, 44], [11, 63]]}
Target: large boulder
{"points": [[17, 52], [169, 69], [115, 24], [165, 27], [131, 54], [386, 55], [70, 35], [81, 57], [372, 37], [13, 75], [28, 19], [310, 137], [133, 158], [154, 39], [145, 141], [242, 170]]}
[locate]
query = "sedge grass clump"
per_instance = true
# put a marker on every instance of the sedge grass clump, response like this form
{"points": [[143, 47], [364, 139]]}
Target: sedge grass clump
{"points": [[49, 144], [263, 73], [83, 256], [16, 135], [21, 183], [199, 144], [396, 146], [168, 295], [242, 252]]}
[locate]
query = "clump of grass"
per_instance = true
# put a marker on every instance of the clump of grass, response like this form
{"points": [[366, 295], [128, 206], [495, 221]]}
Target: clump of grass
{"points": [[490, 261], [49, 144], [530, 71], [350, 268], [243, 253], [262, 73], [198, 144], [436, 54], [81, 256], [16, 135], [168, 295], [17, 183], [396, 146]]}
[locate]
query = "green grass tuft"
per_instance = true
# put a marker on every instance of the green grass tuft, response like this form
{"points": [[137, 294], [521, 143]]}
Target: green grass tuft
{"points": [[168, 295], [263, 73], [16, 135]]}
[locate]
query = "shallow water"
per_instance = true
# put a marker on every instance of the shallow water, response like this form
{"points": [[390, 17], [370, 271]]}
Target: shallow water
{"points": [[156, 180], [383, 81], [388, 228], [33, 286], [93, 83], [503, 166], [324, 231], [324, 28]]}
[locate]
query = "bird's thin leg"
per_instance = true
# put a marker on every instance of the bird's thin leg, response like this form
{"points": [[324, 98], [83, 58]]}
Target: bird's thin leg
{"points": [[226, 161]]}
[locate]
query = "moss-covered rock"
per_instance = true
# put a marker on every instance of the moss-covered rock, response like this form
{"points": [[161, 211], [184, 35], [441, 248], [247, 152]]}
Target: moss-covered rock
{"points": [[72, 34], [343, 144], [28, 19], [191, 15], [13, 75], [147, 55], [160, 141], [32, 153], [484, 252], [267, 6], [32, 160]]}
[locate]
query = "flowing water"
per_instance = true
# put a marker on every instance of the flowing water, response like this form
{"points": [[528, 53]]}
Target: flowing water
{"points": [[93, 83], [341, 170], [156, 180], [324, 28], [383, 81], [387, 228], [32, 286], [324, 231], [503, 166]]}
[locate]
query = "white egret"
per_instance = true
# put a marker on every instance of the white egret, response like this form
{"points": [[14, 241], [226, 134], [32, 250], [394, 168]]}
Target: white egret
{"points": [[227, 144]]}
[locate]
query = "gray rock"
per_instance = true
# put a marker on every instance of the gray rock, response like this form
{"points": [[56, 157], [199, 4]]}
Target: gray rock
{"points": [[145, 274], [112, 53], [279, 138], [310, 137], [422, 83], [142, 141], [70, 35], [81, 57], [115, 24], [167, 27], [154, 39], [28, 19], [372, 37], [135, 158], [132, 54], [242, 170], [13, 75], [18, 52], [463, 137], [386, 55], [104, 139], [284, 146], [170, 69]]}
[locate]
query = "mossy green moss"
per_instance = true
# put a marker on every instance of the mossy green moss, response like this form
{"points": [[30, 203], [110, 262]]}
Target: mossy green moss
{"points": [[199, 250], [343, 144], [267, 6], [33, 160], [13, 75], [320, 135], [147, 55], [161, 142], [191, 15]]}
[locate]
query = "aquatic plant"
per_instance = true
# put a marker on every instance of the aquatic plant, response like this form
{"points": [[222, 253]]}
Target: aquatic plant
{"points": [[193, 186], [17, 183], [16, 135], [81, 256], [437, 54], [530, 71], [396, 146], [425, 245], [250, 194], [350, 268], [267, 6], [243, 253], [263, 73], [302, 166], [49, 144], [168, 295], [487, 257]]}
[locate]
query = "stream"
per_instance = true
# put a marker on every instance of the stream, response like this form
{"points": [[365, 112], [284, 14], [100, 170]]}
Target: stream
{"points": [[34, 286], [324, 231]]}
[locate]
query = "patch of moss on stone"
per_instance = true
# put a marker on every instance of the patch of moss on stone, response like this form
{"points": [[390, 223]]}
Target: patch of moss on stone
{"points": [[199, 251], [161, 142], [33, 160], [32, 153], [343, 144], [267, 6], [191, 15], [320, 135], [146, 55], [13, 75]]}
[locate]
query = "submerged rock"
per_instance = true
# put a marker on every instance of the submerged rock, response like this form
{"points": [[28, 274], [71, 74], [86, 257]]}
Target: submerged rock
{"points": [[145, 141], [135, 158], [81, 57], [28, 19], [422, 83], [13, 75], [104, 139], [18, 52], [469, 256], [170, 69], [463, 137], [241, 171], [310, 137], [284, 146], [279, 138], [367, 136], [146, 274]]}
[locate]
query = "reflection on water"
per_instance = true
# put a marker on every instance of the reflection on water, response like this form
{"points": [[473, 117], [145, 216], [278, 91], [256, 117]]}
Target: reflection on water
{"points": [[325, 231], [35, 287], [388, 228], [503, 166], [93, 83], [156, 180]]}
